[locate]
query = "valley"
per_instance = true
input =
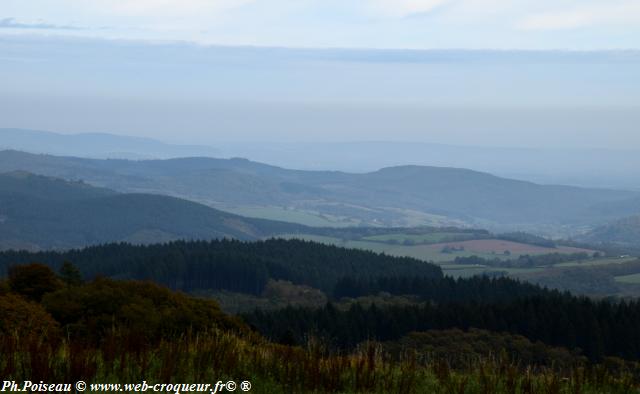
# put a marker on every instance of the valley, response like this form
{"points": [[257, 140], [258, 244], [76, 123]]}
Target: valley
{"points": [[429, 195], [41, 213], [336, 272]]}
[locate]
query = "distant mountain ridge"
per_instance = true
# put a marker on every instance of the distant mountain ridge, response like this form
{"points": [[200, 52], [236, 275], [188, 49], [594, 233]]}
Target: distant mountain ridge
{"points": [[391, 196], [39, 212], [96, 145], [600, 168]]}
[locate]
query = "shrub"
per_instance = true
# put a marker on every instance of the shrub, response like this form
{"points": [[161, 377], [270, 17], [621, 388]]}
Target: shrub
{"points": [[20, 316], [33, 280], [141, 309]]}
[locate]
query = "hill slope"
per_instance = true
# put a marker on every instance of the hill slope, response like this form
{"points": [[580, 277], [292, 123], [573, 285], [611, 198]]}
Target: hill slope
{"points": [[625, 231], [390, 196], [42, 212], [230, 264]]}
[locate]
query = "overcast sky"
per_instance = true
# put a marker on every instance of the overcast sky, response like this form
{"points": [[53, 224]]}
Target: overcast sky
{"points": [[486, 72]]}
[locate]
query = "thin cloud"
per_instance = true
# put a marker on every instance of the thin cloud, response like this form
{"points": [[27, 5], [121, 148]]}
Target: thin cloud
{"points": [[501, 24], [404, 8], [164, 8], [586, 16], [12, 23]]}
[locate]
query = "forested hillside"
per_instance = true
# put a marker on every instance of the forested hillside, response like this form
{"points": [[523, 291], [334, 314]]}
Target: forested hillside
{"points": [[40, 212], [425, 300], [403, 195], [228, 264], [596, 328]]}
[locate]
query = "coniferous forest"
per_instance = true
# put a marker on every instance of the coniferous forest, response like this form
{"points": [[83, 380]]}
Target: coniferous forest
{"points": [[228, 264], [397, 325]]}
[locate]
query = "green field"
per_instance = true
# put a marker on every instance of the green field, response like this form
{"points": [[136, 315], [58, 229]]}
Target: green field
{"points": [[592, 263], [463, 270], [433, 253], [423, 252], [466, 270], [462, 266], [417, 251], [306, 218], [426, 252], [377, 247]]}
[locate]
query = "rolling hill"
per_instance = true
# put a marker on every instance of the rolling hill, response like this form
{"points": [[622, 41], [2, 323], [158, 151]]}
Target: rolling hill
{"points": [[394, 196], [624, 231], [41, 212]]}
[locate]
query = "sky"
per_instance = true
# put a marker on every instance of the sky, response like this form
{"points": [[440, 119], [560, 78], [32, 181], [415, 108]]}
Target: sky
{"points": [[400, 24], [466, 72]]}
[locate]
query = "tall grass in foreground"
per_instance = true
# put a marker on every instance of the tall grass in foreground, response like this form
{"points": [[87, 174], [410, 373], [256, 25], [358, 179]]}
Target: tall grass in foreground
{"points": [[271, 368]]}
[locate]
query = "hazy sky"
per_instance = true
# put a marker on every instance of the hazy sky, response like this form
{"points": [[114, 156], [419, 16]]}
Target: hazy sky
{"points": [[483, 72], [424, 24]]}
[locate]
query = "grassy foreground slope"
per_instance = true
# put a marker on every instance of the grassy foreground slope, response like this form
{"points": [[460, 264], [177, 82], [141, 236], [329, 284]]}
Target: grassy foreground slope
{"points": [[107, 331]]}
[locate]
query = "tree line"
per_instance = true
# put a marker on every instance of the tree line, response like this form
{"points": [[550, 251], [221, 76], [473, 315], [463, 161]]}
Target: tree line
{"points": [[526, 260], [231, 265], [595, 328], [481, 289]]}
